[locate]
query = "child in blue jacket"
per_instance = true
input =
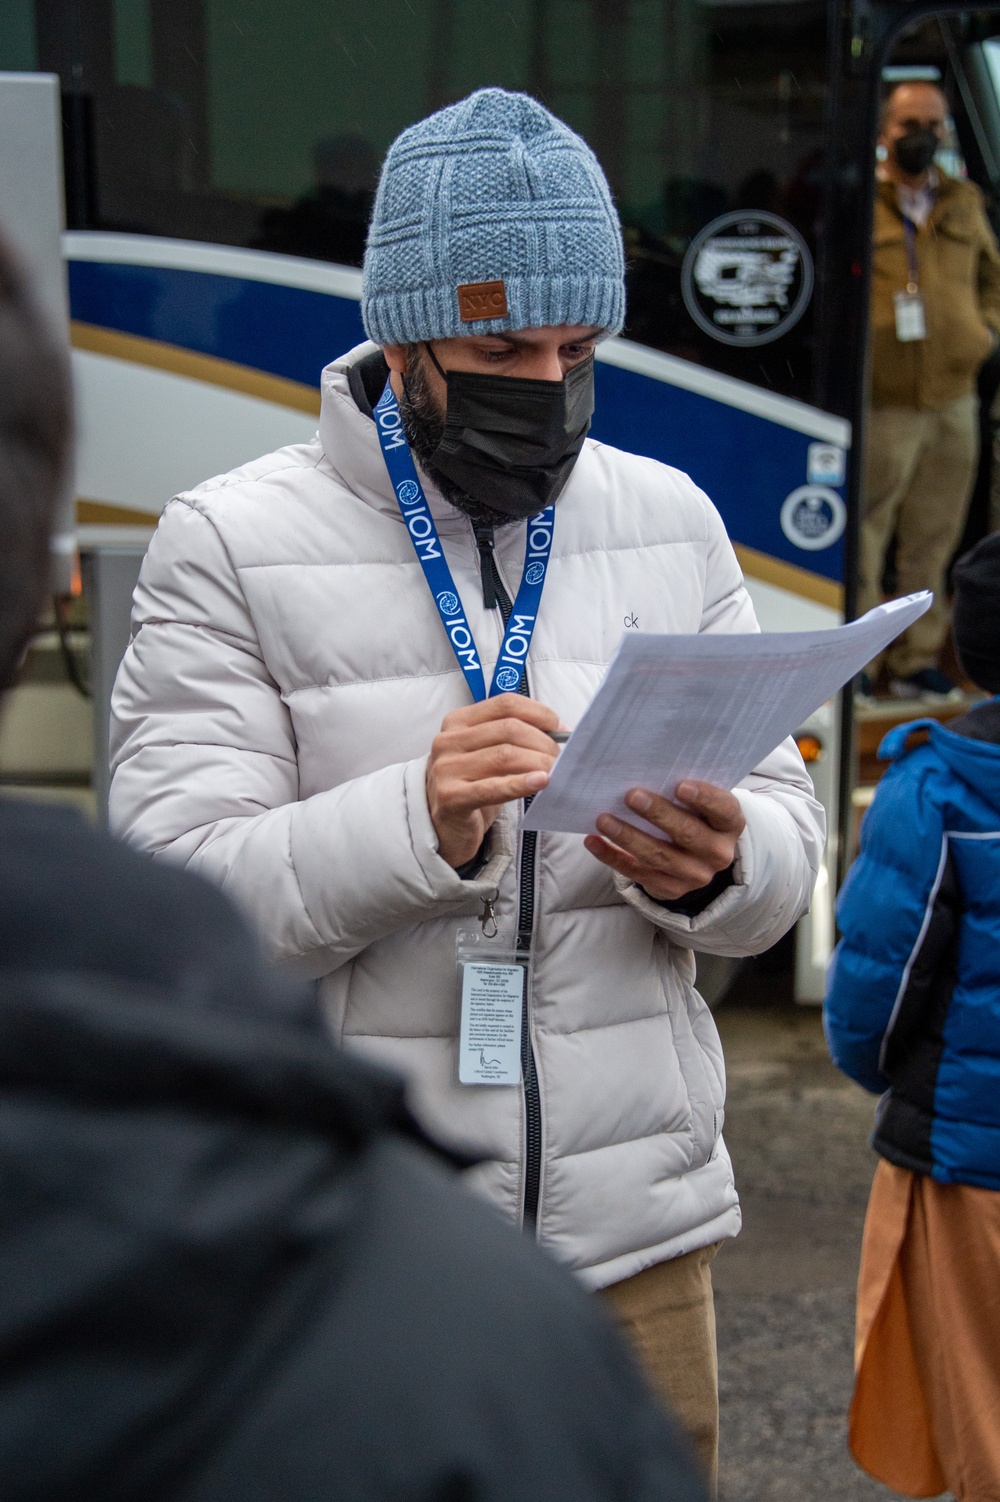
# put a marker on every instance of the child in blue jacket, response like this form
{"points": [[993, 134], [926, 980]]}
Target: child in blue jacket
{"points": [[913, 1013]]}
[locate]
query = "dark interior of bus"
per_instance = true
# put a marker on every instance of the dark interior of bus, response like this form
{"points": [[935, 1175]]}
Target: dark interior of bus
{"points": [[263, 124]]}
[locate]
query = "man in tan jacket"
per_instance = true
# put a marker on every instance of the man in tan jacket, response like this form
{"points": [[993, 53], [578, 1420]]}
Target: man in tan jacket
{"points": [[935, 317]]}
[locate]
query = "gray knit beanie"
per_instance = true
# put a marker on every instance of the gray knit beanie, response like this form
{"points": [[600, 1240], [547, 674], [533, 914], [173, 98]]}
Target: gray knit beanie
{"points": [[491, 215]]}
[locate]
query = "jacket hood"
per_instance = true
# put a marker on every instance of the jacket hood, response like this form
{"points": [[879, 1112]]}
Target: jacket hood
{"points": [[976, 762], [348, 437]]}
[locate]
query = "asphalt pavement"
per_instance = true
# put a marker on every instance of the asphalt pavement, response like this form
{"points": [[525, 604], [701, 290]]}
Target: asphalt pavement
{"points": [[797, 1131]]}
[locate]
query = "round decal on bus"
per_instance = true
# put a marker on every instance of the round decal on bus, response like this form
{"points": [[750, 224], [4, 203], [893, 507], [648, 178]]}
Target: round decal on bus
{"points": [[813, 517], [747, 278]]}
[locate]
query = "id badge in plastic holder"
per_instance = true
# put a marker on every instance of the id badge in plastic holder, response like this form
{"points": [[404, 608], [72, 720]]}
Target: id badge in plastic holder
{"points": [[492, 981], [911, 324]]}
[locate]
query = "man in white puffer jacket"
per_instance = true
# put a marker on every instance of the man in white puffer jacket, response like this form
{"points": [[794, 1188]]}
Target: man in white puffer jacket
{"points": [[292, 721]]}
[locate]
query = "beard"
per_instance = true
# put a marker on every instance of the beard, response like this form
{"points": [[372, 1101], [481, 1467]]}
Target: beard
{"points": [[423, 424]]}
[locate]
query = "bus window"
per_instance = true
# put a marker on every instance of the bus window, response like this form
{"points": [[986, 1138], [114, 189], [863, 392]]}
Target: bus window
{"points": [[262, 123]]}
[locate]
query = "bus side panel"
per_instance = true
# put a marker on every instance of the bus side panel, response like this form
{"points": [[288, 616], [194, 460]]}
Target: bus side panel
{"points": [[747, 464]]}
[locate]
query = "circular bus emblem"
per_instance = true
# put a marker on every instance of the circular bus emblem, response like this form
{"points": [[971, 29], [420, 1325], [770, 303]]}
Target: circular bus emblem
{"points": [[747, 278], [408, 492], [813, 517]]}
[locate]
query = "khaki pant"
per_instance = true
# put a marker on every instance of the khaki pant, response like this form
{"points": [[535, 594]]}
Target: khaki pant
{"points": [[919, 472], [667, 1313]]}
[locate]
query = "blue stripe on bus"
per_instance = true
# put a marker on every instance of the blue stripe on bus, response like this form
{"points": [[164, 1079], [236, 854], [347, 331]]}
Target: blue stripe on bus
{"points": [[747, 464], [285, 331]]}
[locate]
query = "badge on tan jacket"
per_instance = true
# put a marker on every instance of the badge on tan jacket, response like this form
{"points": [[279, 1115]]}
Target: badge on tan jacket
{"points": [[478, 300]]}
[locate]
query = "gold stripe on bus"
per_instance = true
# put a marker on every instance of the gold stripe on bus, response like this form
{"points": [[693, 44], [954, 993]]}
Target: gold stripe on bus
{"points": [[185, 362], [104, 514], [788, 576]]}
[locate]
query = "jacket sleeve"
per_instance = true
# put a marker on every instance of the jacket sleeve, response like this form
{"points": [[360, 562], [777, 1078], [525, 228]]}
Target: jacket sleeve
{"points": [[205, 773], [778, 854], [883, 913], [989, 276]]}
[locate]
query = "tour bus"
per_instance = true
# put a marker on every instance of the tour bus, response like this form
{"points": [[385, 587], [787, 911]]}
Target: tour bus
{"points": [[220, 158]]}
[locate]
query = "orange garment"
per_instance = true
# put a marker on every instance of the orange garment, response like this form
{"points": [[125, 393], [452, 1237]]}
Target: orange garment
{"points": [[926, 1409]]}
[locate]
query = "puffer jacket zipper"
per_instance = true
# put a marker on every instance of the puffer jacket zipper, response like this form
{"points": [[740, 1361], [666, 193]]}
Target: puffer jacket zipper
{"points": [[494, 594]]}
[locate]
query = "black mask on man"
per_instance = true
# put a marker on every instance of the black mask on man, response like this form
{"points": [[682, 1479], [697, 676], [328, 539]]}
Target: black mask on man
{"points": [[509, 443], [915, 151]]}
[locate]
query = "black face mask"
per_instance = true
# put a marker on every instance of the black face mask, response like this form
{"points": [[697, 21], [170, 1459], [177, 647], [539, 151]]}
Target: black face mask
{"points": [[511, 443], [915, 151]]}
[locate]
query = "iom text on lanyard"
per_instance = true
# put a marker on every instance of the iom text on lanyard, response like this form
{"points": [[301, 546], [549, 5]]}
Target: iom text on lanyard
{"points": [[420, 524]]}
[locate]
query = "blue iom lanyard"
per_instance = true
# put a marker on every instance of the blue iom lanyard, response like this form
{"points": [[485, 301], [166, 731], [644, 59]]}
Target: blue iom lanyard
{"points": [[912, 264], [420, 524]]}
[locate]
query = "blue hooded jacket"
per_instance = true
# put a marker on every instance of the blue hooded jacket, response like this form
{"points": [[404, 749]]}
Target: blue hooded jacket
{"points": [[913, 993]]}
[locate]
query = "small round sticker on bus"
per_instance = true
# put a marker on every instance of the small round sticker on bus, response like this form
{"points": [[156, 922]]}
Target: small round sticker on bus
{"points": [[747, 278], [813, 517]]}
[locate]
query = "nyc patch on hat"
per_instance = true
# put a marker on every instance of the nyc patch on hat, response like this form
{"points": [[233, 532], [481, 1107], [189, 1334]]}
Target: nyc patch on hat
{"points": [[478, 300]]}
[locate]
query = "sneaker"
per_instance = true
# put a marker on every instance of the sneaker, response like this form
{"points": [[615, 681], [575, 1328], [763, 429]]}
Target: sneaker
{"points": [[929, 683]]}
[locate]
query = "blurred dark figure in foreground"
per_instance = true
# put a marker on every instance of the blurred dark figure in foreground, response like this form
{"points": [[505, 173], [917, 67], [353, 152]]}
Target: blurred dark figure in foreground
{"points": [[230, 1270], [913, 1012]]}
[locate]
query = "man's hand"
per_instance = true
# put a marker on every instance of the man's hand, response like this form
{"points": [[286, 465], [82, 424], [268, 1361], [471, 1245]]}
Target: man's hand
{"points": [[703, 826], [484, 756]]}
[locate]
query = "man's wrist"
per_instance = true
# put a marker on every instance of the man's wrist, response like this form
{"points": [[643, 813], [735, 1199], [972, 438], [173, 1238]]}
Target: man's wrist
{"points": [[471, 869], [694, 903]]}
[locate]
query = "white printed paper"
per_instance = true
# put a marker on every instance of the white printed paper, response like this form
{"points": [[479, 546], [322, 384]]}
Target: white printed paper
{"points": [[707, 707], [490, 1035]]}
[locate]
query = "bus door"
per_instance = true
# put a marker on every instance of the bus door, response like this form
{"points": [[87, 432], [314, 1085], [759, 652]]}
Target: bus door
{"points": [[880, 45]]}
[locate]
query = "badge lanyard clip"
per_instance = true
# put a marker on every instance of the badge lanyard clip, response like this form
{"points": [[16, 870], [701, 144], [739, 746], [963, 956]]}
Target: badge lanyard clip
{"points": [[488, 918]]}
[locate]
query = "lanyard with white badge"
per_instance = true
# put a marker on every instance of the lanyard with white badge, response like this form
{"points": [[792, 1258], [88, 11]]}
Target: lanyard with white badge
{"points": [[911, 324], [492, 973]]}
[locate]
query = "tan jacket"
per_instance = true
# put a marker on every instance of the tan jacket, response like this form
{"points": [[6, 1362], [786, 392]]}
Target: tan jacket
{"points": [[288, 672], [959, 281]]}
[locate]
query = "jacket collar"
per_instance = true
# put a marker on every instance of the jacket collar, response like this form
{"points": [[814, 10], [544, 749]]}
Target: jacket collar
{"points": [[352, 453], [946, 193]]}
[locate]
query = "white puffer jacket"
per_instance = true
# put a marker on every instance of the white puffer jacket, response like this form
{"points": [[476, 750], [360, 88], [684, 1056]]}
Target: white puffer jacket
{"points": [[271, 720]]}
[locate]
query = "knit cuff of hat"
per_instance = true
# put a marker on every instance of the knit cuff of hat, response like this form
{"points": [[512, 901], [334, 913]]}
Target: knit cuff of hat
{"points": [[533, 302]]}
